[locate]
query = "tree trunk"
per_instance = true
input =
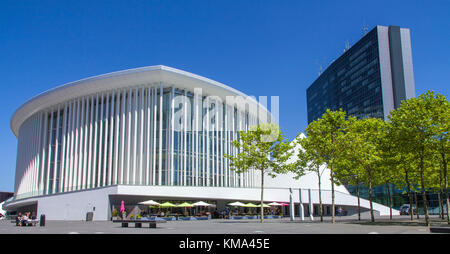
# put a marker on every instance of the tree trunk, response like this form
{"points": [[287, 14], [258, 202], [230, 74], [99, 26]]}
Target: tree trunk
{"points": [[441, 202], [372, 219], [320, 195], [359, 201], [262, 195], [332, 195], [446, 186], [333, 212], [417, 204], [424, 195], [389, 201], [411, 211]]}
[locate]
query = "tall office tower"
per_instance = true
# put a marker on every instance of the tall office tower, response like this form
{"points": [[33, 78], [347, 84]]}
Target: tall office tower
{"points": [[369, 80]]}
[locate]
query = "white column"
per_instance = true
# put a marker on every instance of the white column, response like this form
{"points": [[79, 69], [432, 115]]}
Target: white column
{"points": [[172, 123], [95, 168], [105, 107], [226, 145], [196, 118], [135, 133], [311, 208], [122, 135], [76, 152], [184, 138], [192, 134], [222, 140], [70, 156], [86, 142], [217, 140], [116, 140], [155, 110], [141, 138], [62, 175], [160, 132], [91, 136], [148, 144], [55, 162], [208, 121], [301, 212], [50, 138], [100, 169], [235, 150], [81, 143], [128, 168], [38, 157], [111, 169]]}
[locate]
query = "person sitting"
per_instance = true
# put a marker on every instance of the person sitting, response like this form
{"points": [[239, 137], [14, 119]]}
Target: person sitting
{"points": [[18, 220], [24, 220]]}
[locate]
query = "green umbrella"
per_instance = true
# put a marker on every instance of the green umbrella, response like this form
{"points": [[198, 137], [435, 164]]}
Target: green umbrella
{"points": [[166, 205], [250, 205], [185, 204], [264, 205]]}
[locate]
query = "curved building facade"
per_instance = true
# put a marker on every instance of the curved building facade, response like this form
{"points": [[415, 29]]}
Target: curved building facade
{"points": [[150, 126]]}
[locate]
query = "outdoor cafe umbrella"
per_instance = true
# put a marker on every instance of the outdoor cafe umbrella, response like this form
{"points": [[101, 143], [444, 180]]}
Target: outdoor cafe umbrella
{"points": [[167, 205], [264, 205], [185, 205], [201, 203], [250, 205], [275, 204], [149, 202], [236, 204]]}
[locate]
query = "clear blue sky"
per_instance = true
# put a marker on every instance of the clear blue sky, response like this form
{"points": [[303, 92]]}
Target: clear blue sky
{"points": [[271, 48]]}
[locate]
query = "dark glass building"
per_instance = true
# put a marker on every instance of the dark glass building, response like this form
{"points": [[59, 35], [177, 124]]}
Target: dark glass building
{"points": [[369, 80]]}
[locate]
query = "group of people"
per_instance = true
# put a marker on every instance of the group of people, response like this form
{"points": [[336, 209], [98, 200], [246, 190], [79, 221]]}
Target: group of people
{"points": [[24, 219]]}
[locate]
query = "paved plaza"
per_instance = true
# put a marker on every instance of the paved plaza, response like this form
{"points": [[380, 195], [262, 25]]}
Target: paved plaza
{"points": [[343, 225]]}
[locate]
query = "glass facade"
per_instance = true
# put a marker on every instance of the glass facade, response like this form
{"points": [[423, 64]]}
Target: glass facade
{"points": [[352, 82]]}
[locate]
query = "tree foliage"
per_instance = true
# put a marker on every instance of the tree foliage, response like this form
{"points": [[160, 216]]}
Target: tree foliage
{"points": [[262, 148]]}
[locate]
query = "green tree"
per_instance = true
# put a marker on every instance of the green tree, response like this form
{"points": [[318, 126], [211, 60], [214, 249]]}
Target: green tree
{"points": [[390, 166], [324, 135], [348, 168], [263, 148], [415, 123], [308, 159], [365, 136], [441, 141], [350, 173]]}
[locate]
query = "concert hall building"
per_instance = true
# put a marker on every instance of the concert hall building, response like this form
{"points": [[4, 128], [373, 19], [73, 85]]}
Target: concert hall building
{"points": [[147, 133]]}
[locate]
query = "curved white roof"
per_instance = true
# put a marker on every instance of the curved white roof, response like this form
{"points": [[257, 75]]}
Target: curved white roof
{"points": [[127, 78]]}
